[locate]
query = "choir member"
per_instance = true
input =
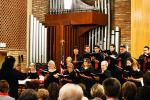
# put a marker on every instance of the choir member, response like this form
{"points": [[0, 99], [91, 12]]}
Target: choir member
{"points": [[86, 52], [68, 60], [85, 74], [111, 53], [123, 55], [143, 59], [102, 74], [33, 73], [69, 75], [52, 74], [128, 68], [97, 57], [136, 74], [77, 59]]}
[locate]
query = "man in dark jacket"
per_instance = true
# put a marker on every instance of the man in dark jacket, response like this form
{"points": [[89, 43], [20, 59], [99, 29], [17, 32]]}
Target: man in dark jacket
{"points": [[143, 59], [123, 56]]}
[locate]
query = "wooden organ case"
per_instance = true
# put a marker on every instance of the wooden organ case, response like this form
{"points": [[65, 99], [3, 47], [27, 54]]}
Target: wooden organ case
{"points": [[69, 29]]}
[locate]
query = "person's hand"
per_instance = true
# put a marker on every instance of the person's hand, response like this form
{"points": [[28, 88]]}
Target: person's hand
{"points": [[82, 75], [96, 61], [56, 75], [130, 78]]}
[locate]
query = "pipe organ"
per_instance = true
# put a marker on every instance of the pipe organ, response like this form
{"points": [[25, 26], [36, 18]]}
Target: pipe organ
{"points": [[76, 23], [38, 41]]}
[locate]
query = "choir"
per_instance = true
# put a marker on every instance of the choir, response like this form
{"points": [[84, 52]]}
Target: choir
{"points": [[88, 68]]}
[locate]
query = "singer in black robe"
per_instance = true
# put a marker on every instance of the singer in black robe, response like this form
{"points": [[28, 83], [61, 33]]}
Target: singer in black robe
{"points": [[85, 74], [52, 74], [123, 56], [69, 76]]}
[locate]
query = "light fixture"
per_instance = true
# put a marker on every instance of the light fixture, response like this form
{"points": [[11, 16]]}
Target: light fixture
{"points": [[2, 45]]}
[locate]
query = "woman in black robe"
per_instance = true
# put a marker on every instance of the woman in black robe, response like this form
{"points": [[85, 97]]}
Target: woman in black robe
{"points": [[69, 76], [52, 74]]}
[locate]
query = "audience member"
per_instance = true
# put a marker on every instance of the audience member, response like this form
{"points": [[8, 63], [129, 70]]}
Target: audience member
{"points": [[143, 92], [129, 90], [53, 90], [97, 92], [4, 88], [43, 94], [70, 92], [112, 88], [28, 94]]}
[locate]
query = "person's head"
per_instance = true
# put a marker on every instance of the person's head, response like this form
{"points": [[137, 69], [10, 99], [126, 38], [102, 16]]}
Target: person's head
{"points": [[51, 65], [34, 84], [122, 49], [97, 90], [18, 67], [53, 90], [129, 62], [68, 60], [70, 92], [104, 65], [146, 78], [129, 90], [97, 48], [4, 86], [42, 94], [112, 87], [86, 62], [146, 50], [28, 94], [32, 67], [9, 62], [112, 47], [76, 51], [70, 67], [135, 65], [87, 49]]}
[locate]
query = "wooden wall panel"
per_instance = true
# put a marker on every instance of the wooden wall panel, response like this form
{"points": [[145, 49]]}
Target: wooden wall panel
{"points": [[140, 26]]}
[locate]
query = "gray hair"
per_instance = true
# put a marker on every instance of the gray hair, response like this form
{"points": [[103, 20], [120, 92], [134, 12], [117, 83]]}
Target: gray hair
{"points": [[70, 92]]}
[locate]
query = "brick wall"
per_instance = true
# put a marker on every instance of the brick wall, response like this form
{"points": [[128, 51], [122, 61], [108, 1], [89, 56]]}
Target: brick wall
{"points": [[39, 9], [13, 21], [121, 16], [13, 14]]}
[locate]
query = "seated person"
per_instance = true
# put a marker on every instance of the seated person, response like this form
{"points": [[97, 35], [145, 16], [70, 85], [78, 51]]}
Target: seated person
{"points": [[129, 90], [70, 92], [28, 94], [4, 88], [112, 88], [143, 92], [52, 74], [97, 92]]}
